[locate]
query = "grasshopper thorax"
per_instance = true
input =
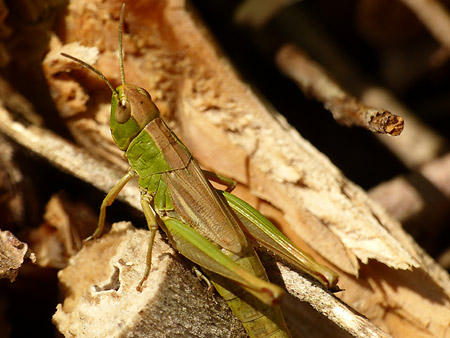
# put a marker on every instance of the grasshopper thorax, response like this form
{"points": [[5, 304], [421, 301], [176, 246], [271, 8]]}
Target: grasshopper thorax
{"points": [[131, 110]]}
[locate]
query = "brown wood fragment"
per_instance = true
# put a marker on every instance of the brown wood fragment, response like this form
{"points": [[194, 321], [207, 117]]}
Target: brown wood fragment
{"points": [[426, 142], [339, 313], [60, 236], [314, 81], [13, 253]]}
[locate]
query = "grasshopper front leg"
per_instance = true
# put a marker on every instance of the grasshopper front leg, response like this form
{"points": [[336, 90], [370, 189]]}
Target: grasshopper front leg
{"points": [[201, 277], [108, 200]]}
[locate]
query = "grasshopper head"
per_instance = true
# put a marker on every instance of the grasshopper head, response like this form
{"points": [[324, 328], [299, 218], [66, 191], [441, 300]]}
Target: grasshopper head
{"points": [[132, 107], [131, 110]]}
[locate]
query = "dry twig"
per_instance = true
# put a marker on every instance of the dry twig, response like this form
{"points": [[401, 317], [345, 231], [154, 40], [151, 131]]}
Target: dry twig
{"points": [[425, 141], [434, 16], [314, 81], [420, 199], [256, 13]]}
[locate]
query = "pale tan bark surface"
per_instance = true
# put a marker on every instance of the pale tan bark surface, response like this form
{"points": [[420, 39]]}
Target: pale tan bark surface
{"points": [[386, 276]]}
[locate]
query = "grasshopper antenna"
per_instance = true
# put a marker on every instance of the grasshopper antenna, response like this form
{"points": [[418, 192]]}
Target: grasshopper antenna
{"points": [[96, 71], [88, 66], [122, 72]]}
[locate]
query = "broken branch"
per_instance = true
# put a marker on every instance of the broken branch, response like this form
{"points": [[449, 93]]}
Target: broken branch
{"points": [[346, 109]]}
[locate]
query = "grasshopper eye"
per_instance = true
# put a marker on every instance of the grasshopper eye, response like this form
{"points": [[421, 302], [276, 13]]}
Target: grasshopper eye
{"points": [[123, 111]]}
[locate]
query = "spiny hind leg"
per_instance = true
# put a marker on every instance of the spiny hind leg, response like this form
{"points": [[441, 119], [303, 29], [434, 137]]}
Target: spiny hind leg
{"points": [[108, 200], [149, 214]]}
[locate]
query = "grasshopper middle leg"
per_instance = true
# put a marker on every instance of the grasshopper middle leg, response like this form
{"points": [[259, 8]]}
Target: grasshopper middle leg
{"points": [[153, 227], [228, 182]]}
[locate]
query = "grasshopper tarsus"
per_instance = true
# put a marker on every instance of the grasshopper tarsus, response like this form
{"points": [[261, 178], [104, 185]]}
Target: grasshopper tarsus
{"points": [[335, 289], [140, 286], [202, 278], [92, 237]]}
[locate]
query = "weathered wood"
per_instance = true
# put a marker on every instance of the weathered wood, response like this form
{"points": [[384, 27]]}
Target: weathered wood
{"points": [[102, 300], [13, 253], [214, 113]]}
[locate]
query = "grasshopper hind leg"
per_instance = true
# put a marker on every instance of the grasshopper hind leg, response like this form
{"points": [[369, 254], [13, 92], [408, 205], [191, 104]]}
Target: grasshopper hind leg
{"points": [[153, 227]]}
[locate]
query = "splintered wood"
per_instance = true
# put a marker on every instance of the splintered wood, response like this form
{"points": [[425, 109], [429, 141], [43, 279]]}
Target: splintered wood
{"points": [[60, 235], [391, 286]]}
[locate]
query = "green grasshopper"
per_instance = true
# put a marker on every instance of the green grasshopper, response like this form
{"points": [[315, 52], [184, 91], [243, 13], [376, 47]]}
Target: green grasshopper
{"points": [[212, 228]]}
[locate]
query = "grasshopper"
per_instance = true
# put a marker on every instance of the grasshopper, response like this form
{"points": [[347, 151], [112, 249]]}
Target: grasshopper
{"points": [[212, 228]]}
